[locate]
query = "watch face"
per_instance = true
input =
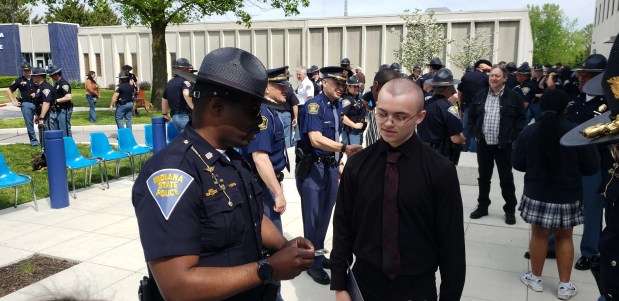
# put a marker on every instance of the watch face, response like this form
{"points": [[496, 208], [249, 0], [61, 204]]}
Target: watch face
{"points": [[265, 271]]}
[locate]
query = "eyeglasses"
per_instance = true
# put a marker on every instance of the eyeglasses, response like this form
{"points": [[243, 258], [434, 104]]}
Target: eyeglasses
{"points": [[397, 120]]}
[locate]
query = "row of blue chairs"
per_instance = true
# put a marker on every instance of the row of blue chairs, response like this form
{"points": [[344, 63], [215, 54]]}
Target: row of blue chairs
{"points": [[148, 133]]}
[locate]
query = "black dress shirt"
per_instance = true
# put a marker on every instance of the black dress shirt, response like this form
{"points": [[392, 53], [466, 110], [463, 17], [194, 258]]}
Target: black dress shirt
{"points": [[430, 223]]}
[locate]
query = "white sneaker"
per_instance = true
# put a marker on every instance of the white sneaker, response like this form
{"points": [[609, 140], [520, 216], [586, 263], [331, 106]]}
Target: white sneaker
{"points": [[565, 293], [536, 285]]}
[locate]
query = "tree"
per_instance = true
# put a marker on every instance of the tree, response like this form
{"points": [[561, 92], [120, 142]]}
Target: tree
{"points": [[158, 14], [424, 39], [15, 11], [74, 11], [555, 38], [471, 49]]}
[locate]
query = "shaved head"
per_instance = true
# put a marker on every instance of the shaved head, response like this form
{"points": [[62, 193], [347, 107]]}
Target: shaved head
{"points": [[405, 86]]}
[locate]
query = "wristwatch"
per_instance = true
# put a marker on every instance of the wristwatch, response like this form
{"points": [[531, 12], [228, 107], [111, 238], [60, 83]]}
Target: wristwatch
{"points": [[265, 271], [343, 150]]}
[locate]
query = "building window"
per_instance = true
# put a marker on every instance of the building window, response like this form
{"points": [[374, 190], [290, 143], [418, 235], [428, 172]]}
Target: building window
{"points": [[86, 64], [98, 59], [134, 60], [121, 59], [172, 58]]}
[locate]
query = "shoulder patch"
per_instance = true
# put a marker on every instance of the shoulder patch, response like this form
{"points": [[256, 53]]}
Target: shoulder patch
{"points": [[525, 90], [116, 89], [454, 111], [265, 124], [46, 92], [312, 108], [345, 102], [308, 87], [65, 87], [167, 186], [187, 84]]}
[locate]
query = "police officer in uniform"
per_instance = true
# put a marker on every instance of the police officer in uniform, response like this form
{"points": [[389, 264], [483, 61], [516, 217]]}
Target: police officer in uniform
{"points": [[434, 65], [442, 127], [511, 82], [416, 73], [122, 101], [317, 171], [267, 153], [44, 100], [527, 90], [133, 80], [198, 206], [25, 101], [64, 106], [314, 74], [176, 98], [353, 113]]}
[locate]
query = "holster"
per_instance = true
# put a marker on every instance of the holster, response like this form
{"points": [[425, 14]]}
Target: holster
{"points": [[148, 291], [450, 150], [304, 164]]}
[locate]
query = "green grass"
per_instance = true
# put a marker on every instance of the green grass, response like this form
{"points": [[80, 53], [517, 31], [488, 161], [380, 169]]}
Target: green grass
{"points": [[19, 158], [79, 97], [81, 118]]}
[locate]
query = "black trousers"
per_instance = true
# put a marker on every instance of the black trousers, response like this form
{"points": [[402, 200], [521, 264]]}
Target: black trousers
{"points": [[375, 286], [487, 155]]}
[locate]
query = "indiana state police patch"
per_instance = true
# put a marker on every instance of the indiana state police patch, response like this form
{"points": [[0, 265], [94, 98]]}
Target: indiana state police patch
{"points": [[167, 187]]}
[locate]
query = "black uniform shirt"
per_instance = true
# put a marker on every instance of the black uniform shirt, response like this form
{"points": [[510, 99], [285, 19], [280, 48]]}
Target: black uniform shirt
{"points": [[291, 100], [441, 122], [174, 94], [125, 93], [430, 223], [63, 88], [181, 211], [581, 109], [472, 83], [25, 86], [353, 108], [511, 82], [45, 93], [527, 90]]}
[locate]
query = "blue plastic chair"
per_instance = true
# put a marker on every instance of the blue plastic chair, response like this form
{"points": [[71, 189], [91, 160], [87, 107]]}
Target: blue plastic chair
{"points": [[172, 132], [75, 160], [100, 148], [127, 144], [9, 179], [148, 135]]}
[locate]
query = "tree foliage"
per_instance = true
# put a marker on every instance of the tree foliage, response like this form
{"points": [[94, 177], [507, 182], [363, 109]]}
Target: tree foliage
{"points": [[75, 11], [16, 11], [555, 37], [423, 40], [471, 49]]}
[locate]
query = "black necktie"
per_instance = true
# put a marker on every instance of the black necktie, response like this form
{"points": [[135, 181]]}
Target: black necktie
{"points": [[391, 251]]}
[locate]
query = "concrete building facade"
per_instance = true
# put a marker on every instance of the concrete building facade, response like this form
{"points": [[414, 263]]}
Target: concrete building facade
{"points": [[367, 41], [605, 25]]}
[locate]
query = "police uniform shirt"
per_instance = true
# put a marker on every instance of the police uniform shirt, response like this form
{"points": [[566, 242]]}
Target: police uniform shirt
{"points": [[472, 83], [441, 122], [125, 92], [511, 81], [134, 79], [174, 94], [527, 90], [353, 108], [584, 107], [270, 139], [318, 116], [184, 207], [291, 100], [45, 93], [317, 86], [25, 86], [62, 89]]}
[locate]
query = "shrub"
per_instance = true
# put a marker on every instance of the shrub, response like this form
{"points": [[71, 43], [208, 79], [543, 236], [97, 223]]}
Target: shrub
{"points": [[76, 84], [145, 85], [111, 86], [6, 81]]}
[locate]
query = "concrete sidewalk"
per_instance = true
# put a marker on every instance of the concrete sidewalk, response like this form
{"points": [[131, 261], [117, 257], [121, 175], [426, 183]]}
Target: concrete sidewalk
{"points": [[99, 230]]}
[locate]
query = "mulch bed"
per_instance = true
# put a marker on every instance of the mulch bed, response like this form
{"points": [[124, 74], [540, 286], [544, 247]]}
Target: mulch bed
{"points": [[28, 271]]}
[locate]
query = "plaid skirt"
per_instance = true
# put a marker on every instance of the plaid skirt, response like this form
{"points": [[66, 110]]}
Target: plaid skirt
{"points": [[550, 215]]}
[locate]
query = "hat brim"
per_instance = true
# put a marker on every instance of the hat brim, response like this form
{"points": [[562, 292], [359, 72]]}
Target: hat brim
{"points": [[56, 72], [594, 85], [523, 73], [232, 87], [587, 70], [575, 137], [284, 83], [441, 84]]}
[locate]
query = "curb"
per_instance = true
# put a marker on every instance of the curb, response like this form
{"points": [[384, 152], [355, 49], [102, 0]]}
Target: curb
{"points": [[79, 128]]}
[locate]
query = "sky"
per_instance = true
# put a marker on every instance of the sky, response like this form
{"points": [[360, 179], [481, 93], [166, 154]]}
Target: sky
{"points": [[582, 10]]}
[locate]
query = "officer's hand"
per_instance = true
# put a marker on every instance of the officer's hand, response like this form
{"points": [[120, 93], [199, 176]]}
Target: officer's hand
{"points": [[111, 109], [294, 122], [342, 296], [300, 242], [17, 104], [351, 149], [359, 125], [289, 262], [167, 118], [33, 95], [280, 204], [41, 124]]}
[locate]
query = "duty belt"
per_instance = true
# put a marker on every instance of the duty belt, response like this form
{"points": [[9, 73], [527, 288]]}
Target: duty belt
{"points": [[325, 160], [278, 175], [180, 112]]}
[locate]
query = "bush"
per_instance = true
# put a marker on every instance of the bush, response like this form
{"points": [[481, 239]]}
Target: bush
{"points": [[111, 86], [145, 85], [76, 84], [6, 81]]}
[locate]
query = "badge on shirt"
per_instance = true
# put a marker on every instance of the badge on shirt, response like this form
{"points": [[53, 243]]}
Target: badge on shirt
{"points": [[167, 186], [454, 111], [187, 84], [525, 90], [65, 87], [312, 108], [345, 103], [308, 87], [46, 92], [265, 124]]}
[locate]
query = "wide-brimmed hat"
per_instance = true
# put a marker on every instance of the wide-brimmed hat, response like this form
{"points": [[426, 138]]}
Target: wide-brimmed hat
{"points": [[122, 75], [313, 69], [487, 62], [511, 66], [593, 63], [436, 62], [395, 66], [337, 73], [26, 66], [383, 67], [538, 67], [524, 69], [353, 80], [279, 76], [442, 78], [233, 69], [345, 62], [417, 67], [127, 68], [38, 71], [184, 63], [51, 70], [609, 82]]}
